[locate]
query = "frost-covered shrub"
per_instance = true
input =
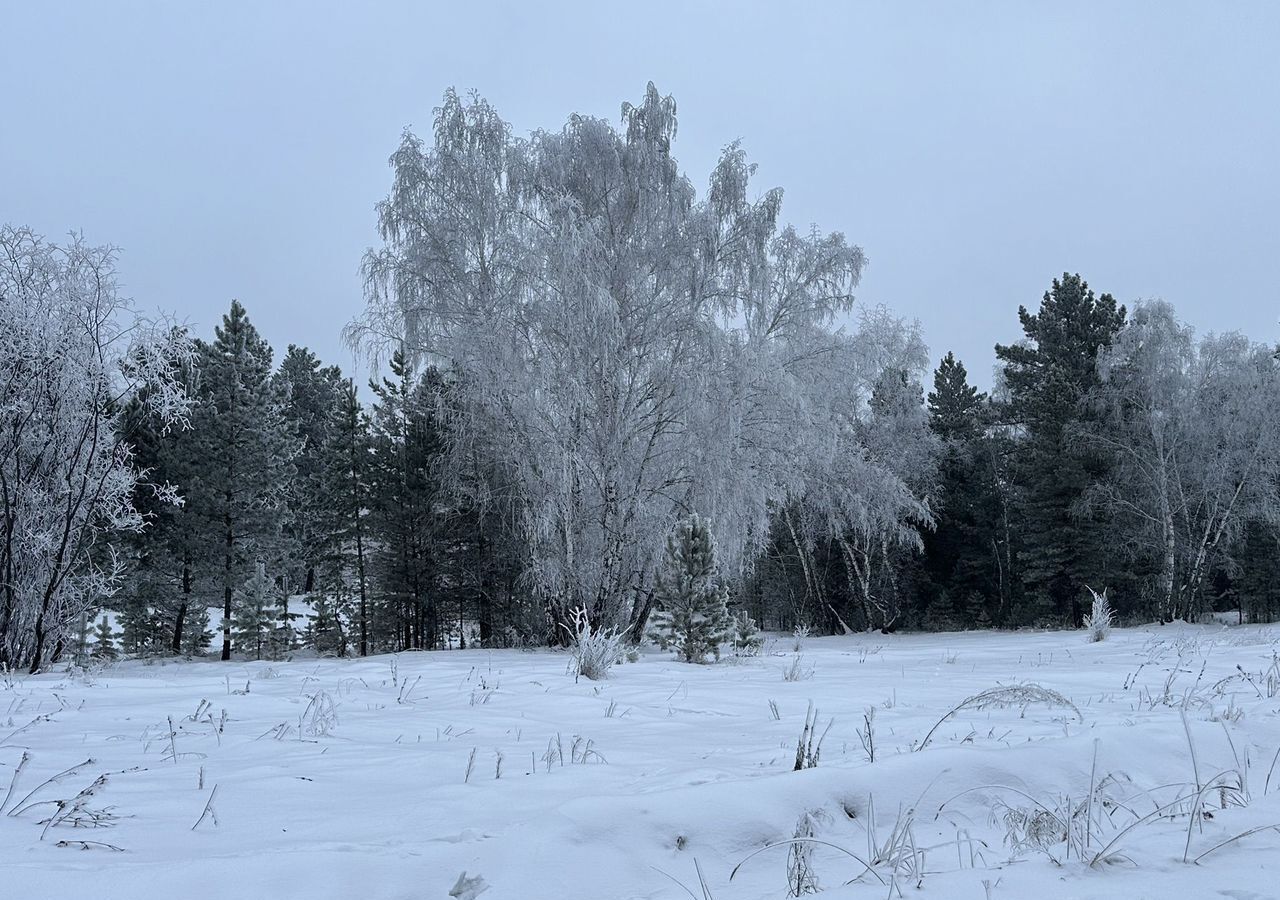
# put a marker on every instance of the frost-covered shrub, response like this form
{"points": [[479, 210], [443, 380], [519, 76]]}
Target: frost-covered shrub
{"points": [[595, 650], [694, 616], [799, 635], [1098, 622]]}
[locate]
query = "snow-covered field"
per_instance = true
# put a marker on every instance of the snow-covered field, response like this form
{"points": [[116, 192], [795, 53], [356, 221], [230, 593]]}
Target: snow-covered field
{"points": [[388, 777]]}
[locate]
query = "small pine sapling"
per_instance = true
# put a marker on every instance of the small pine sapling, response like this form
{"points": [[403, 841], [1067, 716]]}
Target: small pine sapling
{"points": [[694, 616], [196, 635], [105, 640], [747, 638], [324, 631], [254, 617]]}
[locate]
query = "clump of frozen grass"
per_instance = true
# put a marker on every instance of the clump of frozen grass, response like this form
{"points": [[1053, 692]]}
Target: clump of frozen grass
{"points": [[797, 671], [1004, 696], [1098, 622], [320, 717], [801, 876], [1054, 830], [581, 751], [809, 746], [898, 854], [595, 650]]}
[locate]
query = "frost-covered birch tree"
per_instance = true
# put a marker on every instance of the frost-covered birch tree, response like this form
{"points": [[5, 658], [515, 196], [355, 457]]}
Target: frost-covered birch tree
{"points": [[631, 352], [73, 354], [1194, 427]]}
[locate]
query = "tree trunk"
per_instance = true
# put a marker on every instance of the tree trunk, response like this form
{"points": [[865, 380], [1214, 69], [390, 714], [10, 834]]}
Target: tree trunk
{"points": [[176, 646], [228, 561], [364, 598]]}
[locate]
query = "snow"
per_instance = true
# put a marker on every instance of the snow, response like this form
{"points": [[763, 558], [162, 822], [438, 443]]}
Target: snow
{"points": [[683, 763]]}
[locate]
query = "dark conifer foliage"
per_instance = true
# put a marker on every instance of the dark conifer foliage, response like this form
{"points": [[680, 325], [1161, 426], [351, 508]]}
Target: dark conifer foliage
{"points": [[1048, 377]]}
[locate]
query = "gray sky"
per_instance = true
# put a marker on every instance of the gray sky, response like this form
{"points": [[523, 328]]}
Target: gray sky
{"points": [[974, 151]]}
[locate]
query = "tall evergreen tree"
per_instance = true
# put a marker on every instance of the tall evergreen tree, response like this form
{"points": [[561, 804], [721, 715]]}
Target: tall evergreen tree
{"points": [[311, 391], [963, 554], [247, 446], [346, 495], [1047, 376], [407, 444], [1257, 560], [172, 554]]}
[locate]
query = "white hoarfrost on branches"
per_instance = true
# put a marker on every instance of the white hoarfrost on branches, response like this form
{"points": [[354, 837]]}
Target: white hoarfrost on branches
{"points": [[73, 356], [1097, 621], [1194, 428], [595, 650], [629, 351]]}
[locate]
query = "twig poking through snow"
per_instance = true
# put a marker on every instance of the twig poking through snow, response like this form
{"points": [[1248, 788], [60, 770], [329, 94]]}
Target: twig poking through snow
{"points": [[208, 811]]}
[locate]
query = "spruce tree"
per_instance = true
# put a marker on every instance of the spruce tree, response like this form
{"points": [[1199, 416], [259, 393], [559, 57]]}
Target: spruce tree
{"points": [[693, 615], [247, 449], [1048, 376]]}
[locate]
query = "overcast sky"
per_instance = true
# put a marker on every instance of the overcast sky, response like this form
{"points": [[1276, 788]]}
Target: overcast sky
{"points": [[973, 150]]}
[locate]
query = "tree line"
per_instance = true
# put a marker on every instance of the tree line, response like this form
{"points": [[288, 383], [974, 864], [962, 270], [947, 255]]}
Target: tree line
{"points": [[581, 353]]}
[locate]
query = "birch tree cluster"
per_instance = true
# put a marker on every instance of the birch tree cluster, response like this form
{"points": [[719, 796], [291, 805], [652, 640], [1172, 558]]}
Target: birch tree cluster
{"points": [[72, 355]]}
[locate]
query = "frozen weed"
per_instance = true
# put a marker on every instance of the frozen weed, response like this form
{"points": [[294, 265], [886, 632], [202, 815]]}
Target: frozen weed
{"points": [[320, 717], [1004, 696], [809, 746], [797, 671]]}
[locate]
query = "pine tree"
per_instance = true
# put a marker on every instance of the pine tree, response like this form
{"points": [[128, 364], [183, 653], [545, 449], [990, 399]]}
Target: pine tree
{"points": [[196, 636], [312, 394], [172, 554], [407, 446], [324, 631], [1257, 559], [346, 495], [747, 638], [255, 618], [693, 615], [962, 568], [1048, 376], [105, 640], [247, 450]]}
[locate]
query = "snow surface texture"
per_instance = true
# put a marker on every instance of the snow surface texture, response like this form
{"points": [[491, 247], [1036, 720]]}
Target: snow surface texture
{"points": [[391, 776]]}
